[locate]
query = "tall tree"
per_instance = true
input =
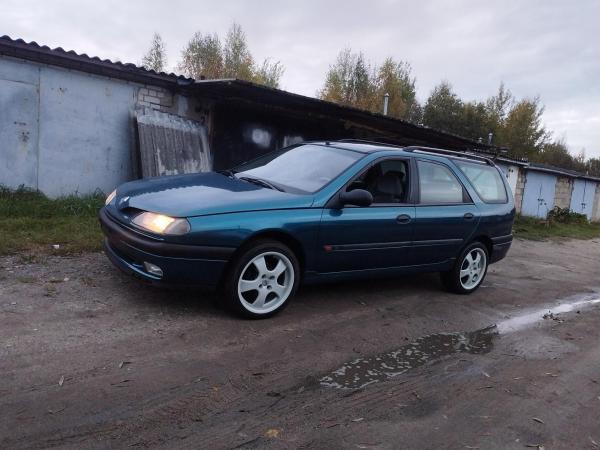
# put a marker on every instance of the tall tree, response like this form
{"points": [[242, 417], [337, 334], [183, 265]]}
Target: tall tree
{"points": [[348, 81], [522, 131], [396, 80], [352, 81], [238, 61], [156, 57], [204, 55], [269, 73], [443, 109], [557, 154]]}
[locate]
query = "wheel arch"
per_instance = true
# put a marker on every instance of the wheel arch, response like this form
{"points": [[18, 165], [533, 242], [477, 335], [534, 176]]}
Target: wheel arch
{"points": [[275, 235], [485, 240]]}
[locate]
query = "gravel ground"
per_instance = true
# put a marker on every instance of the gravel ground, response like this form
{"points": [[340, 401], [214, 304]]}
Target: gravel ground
{"points": [[90, 358]]}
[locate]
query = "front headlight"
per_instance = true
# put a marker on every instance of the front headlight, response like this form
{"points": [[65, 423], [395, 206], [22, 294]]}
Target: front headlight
{"points": [[161, 224], [110, 197]]}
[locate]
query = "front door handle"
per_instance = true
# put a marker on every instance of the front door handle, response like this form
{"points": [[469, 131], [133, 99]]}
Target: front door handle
{"points": [[468, 216], [403, 219]]}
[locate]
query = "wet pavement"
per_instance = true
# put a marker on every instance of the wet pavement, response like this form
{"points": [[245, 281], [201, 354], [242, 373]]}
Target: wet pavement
{"points": [[361, 372], [89, 358]]}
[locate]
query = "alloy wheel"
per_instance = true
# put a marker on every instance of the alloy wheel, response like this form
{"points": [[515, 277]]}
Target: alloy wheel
{"points": [[266, 282], [473, 268]]}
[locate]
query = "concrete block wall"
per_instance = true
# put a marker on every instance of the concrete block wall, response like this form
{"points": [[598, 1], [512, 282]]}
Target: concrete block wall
{"points": [[596, 210], [563, 191], [519, 190], [155, 98]]}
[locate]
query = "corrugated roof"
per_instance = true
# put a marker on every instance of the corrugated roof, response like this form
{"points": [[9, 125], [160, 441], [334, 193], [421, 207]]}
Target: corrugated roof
{"points": [[69, 59], [539, 167]]}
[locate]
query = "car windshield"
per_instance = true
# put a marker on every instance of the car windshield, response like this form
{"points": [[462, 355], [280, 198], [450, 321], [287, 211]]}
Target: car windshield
{"points": [[301, 169]]}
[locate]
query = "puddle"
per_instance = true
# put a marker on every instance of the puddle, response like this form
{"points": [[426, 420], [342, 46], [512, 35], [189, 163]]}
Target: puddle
{"points": [[364, 371]]}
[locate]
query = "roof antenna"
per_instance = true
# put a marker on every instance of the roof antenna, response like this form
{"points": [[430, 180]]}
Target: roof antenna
{"points": [[386, 100]]}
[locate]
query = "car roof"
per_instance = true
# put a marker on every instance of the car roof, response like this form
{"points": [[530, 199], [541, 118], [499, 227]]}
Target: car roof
{"points": [[368, 147]]}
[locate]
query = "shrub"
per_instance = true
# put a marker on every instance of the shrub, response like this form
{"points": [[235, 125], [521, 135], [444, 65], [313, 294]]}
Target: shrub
{"points": [[565, 215]]}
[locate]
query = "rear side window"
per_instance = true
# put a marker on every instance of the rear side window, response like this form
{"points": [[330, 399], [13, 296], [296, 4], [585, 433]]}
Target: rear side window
{"points": [[486, 180], [437, 184]]}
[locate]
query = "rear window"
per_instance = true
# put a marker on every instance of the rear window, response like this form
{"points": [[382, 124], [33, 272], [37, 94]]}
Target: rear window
{"points": [[486, 180]]}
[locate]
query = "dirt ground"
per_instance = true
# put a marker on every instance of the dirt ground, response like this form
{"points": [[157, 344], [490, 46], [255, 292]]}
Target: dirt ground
{"points": [[90, 358]]}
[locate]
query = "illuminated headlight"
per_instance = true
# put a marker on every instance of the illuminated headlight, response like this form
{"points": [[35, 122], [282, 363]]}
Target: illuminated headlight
{"points": [[158, 223], [110, 197]]}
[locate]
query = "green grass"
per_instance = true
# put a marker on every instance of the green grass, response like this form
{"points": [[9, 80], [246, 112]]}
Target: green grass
{"points": [[536, 229], [30, 223]]}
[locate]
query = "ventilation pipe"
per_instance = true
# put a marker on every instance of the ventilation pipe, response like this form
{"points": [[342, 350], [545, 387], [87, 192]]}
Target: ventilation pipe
{"points": [[386, 100]]}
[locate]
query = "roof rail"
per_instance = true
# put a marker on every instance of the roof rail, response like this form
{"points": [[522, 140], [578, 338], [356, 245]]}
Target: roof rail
{"points": [[416, 148], [366, 141]]}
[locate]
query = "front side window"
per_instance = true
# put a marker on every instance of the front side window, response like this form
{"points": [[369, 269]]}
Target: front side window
{"points": [[486, 180], [438, 185], [301, 169], [387, 181]]}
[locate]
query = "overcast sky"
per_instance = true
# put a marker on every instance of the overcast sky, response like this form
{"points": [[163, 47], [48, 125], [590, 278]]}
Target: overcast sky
{"points": [[547, 48]]}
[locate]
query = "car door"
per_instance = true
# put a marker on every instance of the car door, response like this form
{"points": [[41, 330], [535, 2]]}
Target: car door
{"points": [[373, 237], [445, 215]]}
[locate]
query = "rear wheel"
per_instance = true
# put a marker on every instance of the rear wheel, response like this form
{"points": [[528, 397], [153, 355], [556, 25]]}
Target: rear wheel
{"points": [[468, 271], [262, 280]]}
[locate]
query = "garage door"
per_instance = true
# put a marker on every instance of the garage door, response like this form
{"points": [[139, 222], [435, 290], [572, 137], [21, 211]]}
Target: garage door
{"points": [[582, 198], [538, 197]]}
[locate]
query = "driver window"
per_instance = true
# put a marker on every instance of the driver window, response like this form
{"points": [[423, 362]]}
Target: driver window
{"points": [[387, 181]]}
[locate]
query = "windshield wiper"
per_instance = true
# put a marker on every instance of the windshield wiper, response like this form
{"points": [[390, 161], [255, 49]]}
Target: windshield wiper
{"points": [[227, 173], [262, 183]]}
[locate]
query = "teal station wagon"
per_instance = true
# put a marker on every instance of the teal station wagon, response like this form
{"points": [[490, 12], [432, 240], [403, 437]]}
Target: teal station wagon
{"points": [[313, 212]]}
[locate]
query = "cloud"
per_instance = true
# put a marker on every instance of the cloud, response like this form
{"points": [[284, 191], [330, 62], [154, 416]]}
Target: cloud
{"points": [[547, 48]]}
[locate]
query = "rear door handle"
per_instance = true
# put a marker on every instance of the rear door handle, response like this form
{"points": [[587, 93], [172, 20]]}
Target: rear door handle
{"points": [[468, 216], [403, 218]]}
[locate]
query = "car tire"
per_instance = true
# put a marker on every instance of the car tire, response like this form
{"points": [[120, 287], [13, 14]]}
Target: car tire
{"points": [[469, 270], [261, 280]]}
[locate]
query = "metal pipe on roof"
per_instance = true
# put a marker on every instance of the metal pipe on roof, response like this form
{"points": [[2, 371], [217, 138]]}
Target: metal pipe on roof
{"points": [[386, 100]]}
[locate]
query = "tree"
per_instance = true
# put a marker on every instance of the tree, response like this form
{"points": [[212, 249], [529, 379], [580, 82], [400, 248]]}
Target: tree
{"points": [[238, 61], [269, 73], [443, 109], [348, 81], [396, 80], [205, 56], [156, 58], [592, 167], [352, 81], [557, 154], [522, 131]]}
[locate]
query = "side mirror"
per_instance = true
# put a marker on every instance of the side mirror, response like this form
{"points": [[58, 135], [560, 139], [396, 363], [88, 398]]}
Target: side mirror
{"points": [[356, 197]]}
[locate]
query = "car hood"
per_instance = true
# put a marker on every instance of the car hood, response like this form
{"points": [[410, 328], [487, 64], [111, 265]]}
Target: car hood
{"points": [[203, 194]]}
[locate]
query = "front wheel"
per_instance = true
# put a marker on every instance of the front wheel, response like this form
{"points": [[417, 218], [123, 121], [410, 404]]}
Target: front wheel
{"points": [[262, 280], [468, 271]]}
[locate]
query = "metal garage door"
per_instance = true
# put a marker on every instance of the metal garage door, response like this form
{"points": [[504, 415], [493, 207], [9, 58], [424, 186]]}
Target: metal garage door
{"points": [[538, 197], [582, 198]]}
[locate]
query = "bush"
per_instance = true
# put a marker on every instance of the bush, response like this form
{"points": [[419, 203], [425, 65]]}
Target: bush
{"points": [[565, 215]]}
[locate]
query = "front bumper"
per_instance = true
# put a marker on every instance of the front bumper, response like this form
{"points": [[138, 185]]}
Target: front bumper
{"points": [[500, 247], [182, 265]]}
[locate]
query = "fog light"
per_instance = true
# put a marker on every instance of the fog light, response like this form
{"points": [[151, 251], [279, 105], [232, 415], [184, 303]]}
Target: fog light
{"points": [[153, 269]]}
